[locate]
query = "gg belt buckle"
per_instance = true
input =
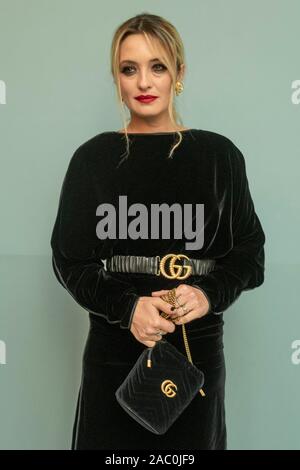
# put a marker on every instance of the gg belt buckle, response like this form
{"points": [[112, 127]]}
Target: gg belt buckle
{"points": [[175, 269]]}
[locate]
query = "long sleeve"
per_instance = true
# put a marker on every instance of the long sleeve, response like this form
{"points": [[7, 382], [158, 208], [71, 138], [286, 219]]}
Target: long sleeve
{"points": [[76, 250], [242, 268]]}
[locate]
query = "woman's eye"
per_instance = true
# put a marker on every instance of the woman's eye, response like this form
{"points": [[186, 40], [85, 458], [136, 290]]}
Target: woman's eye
{"points": [[160, 65], [126, 69]]}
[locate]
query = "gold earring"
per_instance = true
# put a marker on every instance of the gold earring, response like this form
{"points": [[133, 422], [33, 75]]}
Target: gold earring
{"points": [[178, 88]]}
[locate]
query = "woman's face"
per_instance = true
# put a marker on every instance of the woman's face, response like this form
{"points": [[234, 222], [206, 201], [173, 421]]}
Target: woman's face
{"points": [[141, 75]]}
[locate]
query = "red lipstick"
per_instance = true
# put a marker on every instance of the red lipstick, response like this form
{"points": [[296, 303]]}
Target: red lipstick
{"points": [[146, 98]]}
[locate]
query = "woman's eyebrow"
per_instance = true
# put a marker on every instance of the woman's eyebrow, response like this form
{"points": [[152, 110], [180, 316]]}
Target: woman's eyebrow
{"points": [[133, 62]]}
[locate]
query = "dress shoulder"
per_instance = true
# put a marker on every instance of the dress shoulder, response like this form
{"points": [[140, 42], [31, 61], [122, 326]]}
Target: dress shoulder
{"points": [[95, 141], [90, 151], [216, 139]]}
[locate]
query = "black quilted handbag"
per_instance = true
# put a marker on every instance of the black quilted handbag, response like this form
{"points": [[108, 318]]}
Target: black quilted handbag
{"points": [[160, 386]]}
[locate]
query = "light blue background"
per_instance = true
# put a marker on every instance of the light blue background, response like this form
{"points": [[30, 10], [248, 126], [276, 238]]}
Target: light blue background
{"points": [[242, 58]]}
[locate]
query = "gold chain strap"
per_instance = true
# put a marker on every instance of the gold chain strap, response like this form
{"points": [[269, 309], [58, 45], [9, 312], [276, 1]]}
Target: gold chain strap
{"points": [[171, 298]]}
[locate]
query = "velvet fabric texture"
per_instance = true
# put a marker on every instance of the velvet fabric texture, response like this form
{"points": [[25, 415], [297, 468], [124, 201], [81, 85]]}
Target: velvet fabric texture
{"points": [[206, 168]]}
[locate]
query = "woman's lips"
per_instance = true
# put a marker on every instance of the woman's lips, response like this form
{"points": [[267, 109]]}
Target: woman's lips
{"points": [[146, 100]]}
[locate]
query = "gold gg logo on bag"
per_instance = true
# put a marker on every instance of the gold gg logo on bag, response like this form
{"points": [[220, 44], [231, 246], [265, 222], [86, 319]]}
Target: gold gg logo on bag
{"points": [[174, 274], [167, 387]]}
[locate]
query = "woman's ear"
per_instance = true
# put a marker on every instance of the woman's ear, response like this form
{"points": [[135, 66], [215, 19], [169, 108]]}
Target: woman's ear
{"points": [[181, 72]]}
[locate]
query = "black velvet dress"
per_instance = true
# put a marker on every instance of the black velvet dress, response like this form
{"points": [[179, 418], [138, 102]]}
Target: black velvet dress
{"points": [[206, 168]]}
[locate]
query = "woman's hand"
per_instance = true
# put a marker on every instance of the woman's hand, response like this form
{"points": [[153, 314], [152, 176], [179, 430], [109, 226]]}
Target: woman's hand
{"points": [[194, 301], [147, 321]]}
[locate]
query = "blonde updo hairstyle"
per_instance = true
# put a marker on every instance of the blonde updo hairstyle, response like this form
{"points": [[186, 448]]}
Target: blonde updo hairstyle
{"points": [[167, 44]]}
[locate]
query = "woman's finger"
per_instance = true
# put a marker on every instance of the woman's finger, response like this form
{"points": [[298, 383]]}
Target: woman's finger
{"points": [[149, 344], [185, 318], [158, 293]]}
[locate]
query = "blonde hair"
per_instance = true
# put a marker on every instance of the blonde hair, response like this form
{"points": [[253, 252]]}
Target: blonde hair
{"points": [[170, 48]]}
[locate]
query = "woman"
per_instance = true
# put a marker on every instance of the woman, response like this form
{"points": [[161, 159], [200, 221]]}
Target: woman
{"points": [[123, 298]]}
